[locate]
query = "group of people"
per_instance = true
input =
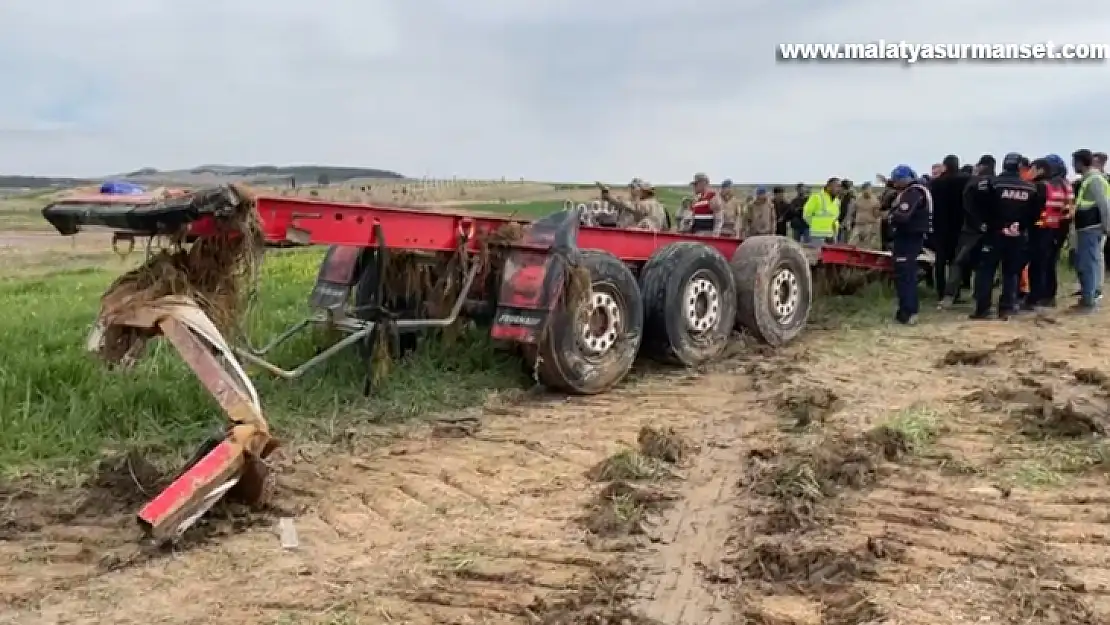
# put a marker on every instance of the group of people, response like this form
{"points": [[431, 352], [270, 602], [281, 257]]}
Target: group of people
{"points": [[716, 212], [977, 220], [836, 212], [984, 222]]}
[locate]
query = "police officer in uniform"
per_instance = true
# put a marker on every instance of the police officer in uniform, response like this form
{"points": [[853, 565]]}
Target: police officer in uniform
{"points": [[1011, 206], [911, 220]]}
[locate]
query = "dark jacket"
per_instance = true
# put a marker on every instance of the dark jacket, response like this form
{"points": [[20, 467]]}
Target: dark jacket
{"points": [[948, 204], [911, 213], [976, 203], [1012, 200], [782, 214]]}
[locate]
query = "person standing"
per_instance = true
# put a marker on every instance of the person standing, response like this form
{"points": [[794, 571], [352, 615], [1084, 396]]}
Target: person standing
{"points": [[886, 203], [821, 212], [733, 209], [1100, 165], [1013, 205], [865, 231], [947, 190], [1044, 253], [1092, 221], [759, 215], [847, 217], [911, 220], [798, 226], [973, 226], [782, 211], [707, 214]]}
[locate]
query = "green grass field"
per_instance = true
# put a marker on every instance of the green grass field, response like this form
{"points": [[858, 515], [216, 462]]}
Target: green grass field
{"points": [[61, 408]]}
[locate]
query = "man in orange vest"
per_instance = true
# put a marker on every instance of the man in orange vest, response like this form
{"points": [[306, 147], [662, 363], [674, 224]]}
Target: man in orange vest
{"points": [[1044, 253]]}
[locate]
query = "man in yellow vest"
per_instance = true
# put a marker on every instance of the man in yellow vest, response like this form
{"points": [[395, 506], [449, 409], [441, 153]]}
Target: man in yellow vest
{"points": [[821, 212], [1092, 223]]}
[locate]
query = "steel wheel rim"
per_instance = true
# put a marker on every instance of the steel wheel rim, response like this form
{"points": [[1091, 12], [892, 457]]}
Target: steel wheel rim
{"points": [[602, 325], [786, 294], [701, 304]]}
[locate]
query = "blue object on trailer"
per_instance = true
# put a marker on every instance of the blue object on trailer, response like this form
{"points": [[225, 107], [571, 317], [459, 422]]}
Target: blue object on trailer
{"points": [[121, 187]]}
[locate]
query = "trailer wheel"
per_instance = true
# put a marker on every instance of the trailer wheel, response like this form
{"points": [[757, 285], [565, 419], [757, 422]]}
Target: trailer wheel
{"points": [[589, 350], [689, 303], [774, 286]]}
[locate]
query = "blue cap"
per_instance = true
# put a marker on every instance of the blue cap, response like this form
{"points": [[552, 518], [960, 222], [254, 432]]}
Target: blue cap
{"points": [[1011, 162], [903, 172], [761, 190], [726, 183], [1056, 160]]}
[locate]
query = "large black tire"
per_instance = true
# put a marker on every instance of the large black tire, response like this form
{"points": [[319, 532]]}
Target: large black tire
{"points": [[774, 287], [689, 304], [615, 311]]}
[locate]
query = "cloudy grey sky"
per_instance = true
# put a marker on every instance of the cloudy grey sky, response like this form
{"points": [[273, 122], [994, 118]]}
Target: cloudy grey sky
{"points": [[545, 89]]}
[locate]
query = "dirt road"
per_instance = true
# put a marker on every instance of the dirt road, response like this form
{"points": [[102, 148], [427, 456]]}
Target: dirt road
{"points": [[852, 478]]}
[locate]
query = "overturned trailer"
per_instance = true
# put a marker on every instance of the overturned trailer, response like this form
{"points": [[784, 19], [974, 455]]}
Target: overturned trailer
{"points": [[579, 302]]}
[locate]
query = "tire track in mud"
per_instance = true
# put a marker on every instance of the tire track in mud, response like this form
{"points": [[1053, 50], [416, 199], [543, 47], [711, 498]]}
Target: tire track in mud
{"points": [[480, 524], [852, 528]]}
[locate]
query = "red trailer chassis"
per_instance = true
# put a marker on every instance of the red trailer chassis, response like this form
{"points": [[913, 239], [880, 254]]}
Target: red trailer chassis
{"points": [[359, 233], [580, 302]]}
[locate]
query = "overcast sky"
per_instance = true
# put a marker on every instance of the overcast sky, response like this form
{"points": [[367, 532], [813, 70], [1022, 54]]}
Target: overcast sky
{"points": [[544, 89]]}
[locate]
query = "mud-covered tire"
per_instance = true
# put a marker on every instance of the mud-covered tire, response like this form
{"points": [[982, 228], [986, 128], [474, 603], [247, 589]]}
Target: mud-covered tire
{"points": [[774, 287], [565, 360], [689, 304]]}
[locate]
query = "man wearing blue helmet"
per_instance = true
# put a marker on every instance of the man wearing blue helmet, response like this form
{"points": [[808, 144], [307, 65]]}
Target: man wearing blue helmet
{"points": [[1011, 205], [911, 220]]}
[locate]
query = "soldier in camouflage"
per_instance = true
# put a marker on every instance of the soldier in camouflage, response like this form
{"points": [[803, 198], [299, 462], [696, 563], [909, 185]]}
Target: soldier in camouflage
{"points": [[759, 215], [733, 220], [868, 219], [643, 211]]}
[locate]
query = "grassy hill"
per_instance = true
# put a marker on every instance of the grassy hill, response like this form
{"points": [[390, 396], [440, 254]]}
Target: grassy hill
{"points": [[211, 174]]}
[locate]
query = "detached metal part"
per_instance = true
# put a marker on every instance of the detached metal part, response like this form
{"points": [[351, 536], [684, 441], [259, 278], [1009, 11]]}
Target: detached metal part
{"points": [[235, 466]]}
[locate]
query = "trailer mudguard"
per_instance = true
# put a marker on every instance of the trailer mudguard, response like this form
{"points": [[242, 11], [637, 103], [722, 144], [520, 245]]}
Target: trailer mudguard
{"points": [[533, 278]]}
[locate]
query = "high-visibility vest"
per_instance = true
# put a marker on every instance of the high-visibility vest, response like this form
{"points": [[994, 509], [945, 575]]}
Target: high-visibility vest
{"points": [[822, 224], [1057, 200], [1086, 209]]}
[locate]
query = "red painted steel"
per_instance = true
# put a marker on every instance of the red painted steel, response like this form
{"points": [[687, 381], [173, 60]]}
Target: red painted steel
{"points": [[337, 223], [189, 486]]}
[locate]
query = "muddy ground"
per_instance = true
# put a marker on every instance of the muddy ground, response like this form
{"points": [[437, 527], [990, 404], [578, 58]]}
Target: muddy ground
{"points": [[949, 473]]}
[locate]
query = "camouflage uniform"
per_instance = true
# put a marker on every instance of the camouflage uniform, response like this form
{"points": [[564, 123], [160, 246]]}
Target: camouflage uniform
{"points": [[759, 216], [733, 209], [642, 213], [682, 216], [868, 220]]}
